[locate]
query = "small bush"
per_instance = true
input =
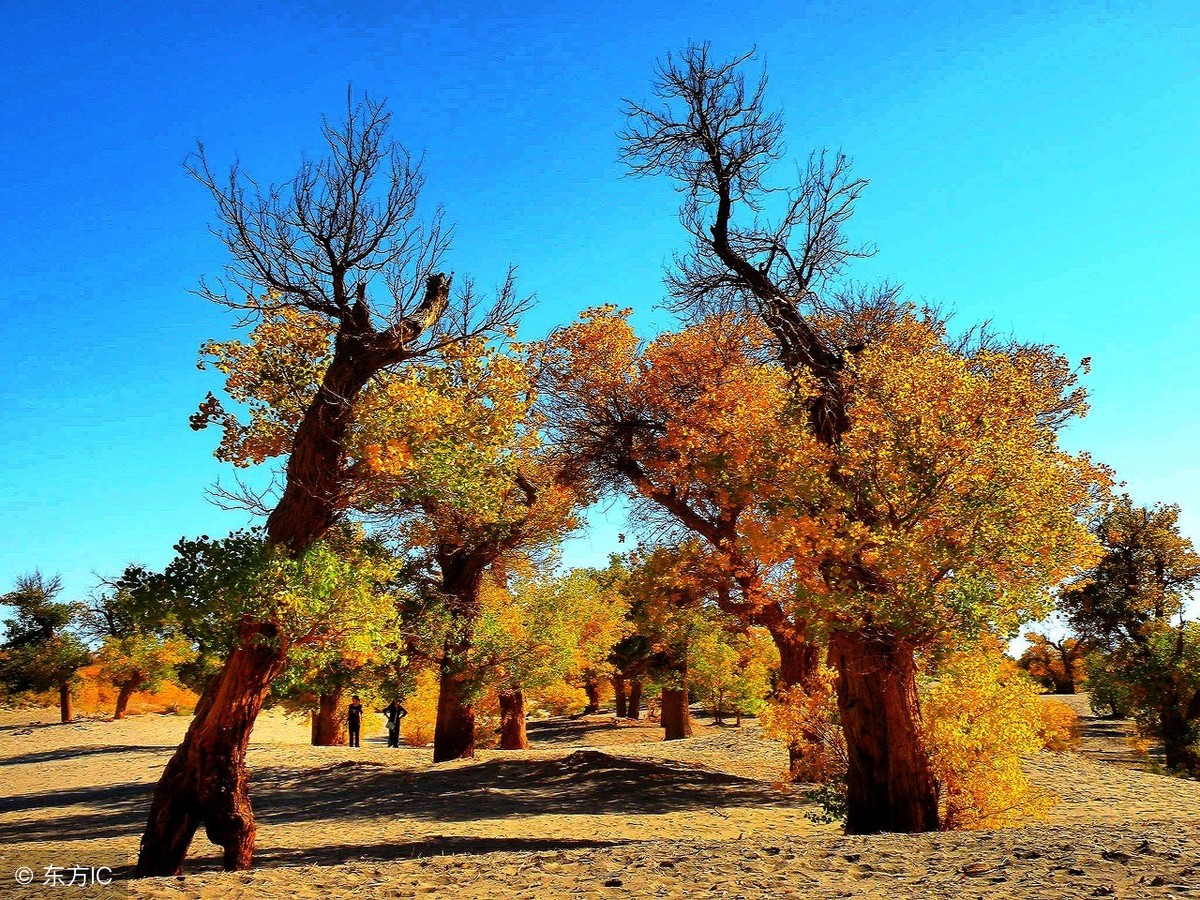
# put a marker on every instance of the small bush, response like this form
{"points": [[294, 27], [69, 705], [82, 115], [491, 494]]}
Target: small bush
{"points": [[1059, 726]]}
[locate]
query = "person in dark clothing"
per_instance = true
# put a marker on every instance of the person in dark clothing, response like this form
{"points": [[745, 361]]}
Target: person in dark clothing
{"points": [[394, 712], [354, 720]]}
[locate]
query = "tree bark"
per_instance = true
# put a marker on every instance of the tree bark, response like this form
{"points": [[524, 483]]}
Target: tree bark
{"points": [[64, 701], [124, 692], [593, 695], [634, 710], [205, 781], [1179, 744], [512, 721], [328, 726], [890, 784], [676, 717], [454, 733], [620, 697], [798, 662]]}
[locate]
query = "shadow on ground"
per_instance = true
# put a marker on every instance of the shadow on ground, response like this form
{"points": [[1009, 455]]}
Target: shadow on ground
{"points": [[586, 782]]}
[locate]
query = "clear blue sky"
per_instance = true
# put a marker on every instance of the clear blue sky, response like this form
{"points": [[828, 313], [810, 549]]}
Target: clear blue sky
{"points": [[1034, 164]]}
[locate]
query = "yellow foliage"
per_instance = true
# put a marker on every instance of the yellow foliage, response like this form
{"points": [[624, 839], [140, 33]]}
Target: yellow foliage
{"points": [[981, 716], [1059, 726], [806, 717], [559, 699], [417, 727]]}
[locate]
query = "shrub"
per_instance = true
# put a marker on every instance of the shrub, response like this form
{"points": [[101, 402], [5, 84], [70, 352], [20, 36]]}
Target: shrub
{"points": [[807, 718], [1059, 726], [981, 715]]}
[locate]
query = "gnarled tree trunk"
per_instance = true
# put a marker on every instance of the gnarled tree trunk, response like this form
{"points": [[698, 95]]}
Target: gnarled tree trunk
{"points": [[512, 721], [890, 785], [126, 690], [205, 781], [64, 701], [620, 697], [634, 710], [328, 726], [462, 575], [592, 689]]}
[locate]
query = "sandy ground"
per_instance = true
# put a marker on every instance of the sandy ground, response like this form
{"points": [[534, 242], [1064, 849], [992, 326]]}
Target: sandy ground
{"points": [[592, 811]]}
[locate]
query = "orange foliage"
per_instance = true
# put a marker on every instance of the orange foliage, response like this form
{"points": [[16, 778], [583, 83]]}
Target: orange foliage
{"points": [[1059, 726], [807, 718], [95, 695]]}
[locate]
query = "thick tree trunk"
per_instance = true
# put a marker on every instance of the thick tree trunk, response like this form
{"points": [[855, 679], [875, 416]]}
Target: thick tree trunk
{"points": [[454, 733], [64, 701], [328, 726], [798, 662], [676, 718], [620, 698], [890, 785], [1178, 733], [512, 721], [593, 697], [634, 710], [205, 781], [124, 692]]}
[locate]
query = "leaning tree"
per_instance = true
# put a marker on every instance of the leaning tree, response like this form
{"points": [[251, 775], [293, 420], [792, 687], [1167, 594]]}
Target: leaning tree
{"points": [[943, 503], [339, 274]]}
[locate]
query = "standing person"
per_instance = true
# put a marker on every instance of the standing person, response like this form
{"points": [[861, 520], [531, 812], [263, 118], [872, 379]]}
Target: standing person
{"points": [[394, 712], [354, 720]]}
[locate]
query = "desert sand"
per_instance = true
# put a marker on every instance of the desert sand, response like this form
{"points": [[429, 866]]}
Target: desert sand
{"points": [[593, 810]]}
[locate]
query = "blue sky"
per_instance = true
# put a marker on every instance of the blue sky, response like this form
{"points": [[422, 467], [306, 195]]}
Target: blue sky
{"points": [[1032, 163]]}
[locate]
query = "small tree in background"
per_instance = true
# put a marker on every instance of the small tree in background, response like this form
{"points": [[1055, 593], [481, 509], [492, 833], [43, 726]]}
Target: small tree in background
{"points": [[141, 646], [1055, 664], [1132, 607], [40, 652]]}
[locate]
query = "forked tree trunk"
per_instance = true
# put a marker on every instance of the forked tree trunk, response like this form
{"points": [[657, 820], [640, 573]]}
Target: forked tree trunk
{"points": [[593, 698], [124, 692], [890, 785], [328, 726], [676, 717], [620, 698], [454, 733], [798, 663], [635, 701], [205, 781], [64, 701], [512, 721]]}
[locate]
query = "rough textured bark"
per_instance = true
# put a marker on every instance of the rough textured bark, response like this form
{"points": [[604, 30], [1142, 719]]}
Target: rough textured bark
{"points": [[328, 725], [890, 785], [462, 575], [512, 721], [593, 698], [676, 717], [126, 690], [634, 710], [205, 781], [64, 701], [620, 697], [454, 733]]}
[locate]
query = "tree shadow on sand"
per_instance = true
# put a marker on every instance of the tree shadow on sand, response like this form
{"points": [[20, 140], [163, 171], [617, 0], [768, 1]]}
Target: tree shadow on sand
{"points": [[587, 782]]}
